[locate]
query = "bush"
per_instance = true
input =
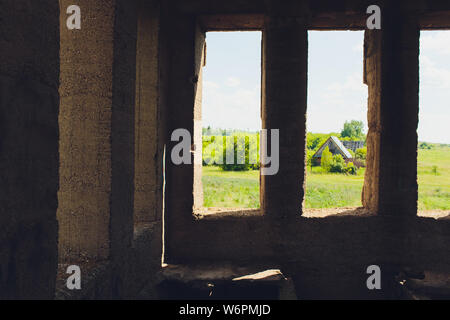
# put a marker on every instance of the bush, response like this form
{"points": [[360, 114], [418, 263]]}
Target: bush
{"points": [[351, 169], [255, 166], [361, 153], [326, 160], [310, 161], [425, 145], [434, 170], [338, 164]]}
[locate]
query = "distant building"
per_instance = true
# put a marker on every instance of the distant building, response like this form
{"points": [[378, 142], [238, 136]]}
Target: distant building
{"points": [[336, 147], [353, 145]]}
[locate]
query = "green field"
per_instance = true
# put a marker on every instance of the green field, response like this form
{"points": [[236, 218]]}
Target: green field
{"points": [[230, 189], [434, 189], [329, 190]]}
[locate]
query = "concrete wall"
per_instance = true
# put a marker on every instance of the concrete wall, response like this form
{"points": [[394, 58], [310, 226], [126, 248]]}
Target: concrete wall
{"points": [[183, 73], [97, 131], [146, 116], [29, 105], [149, 178], [98, 73], [86, 90]]}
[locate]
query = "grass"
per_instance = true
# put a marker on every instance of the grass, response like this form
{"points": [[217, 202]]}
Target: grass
{"points": [[330, 190], [230, 189], [434, 188], [333, 190]]}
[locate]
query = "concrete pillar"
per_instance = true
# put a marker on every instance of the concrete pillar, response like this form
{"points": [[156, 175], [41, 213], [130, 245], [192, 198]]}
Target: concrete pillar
{"points": [[372, 77], [97, 90], [147, 167], [183, 182], [284, 89], [199, 60], [392, 74], [29, 106], [148, 173]]}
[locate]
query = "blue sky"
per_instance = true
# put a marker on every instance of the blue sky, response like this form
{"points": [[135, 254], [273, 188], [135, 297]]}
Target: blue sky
{"points": [[336, 93]]}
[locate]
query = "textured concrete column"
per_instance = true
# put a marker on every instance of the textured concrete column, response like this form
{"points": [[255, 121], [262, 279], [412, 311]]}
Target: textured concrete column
{"points": [[392, 73], [372, 77], [284, 88], [146, 118], [97, 130], [29, 106], [183, 182], [199, 60]]}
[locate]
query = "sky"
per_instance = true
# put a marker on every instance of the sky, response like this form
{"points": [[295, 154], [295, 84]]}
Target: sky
{"points": [[336, 93]]}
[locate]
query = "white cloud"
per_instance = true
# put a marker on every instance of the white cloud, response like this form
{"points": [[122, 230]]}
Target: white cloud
{"points": [[359, 47], [232, 82], [210, 85], [432, 75], [433, 127], [436, 41], [339, 91], [238, 108], [434, 92], [338, 102]]}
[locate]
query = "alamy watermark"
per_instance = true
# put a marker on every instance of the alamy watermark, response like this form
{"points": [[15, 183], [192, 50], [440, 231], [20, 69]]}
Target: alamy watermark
{"points": [[74, 20], [374, 280], [73, 282], [374, 21]]}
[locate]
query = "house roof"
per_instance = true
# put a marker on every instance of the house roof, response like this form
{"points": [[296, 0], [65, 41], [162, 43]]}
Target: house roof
{"points": [[338, 144]]}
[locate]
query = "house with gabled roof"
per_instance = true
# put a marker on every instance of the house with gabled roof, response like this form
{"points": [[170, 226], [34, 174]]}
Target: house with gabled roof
{"points": [[336, 147]]}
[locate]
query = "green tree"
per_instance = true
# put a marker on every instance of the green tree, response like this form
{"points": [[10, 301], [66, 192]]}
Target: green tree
{"points": [[353, 129], [309, 158], [326, 159], [313, 140], [208, 159]]}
